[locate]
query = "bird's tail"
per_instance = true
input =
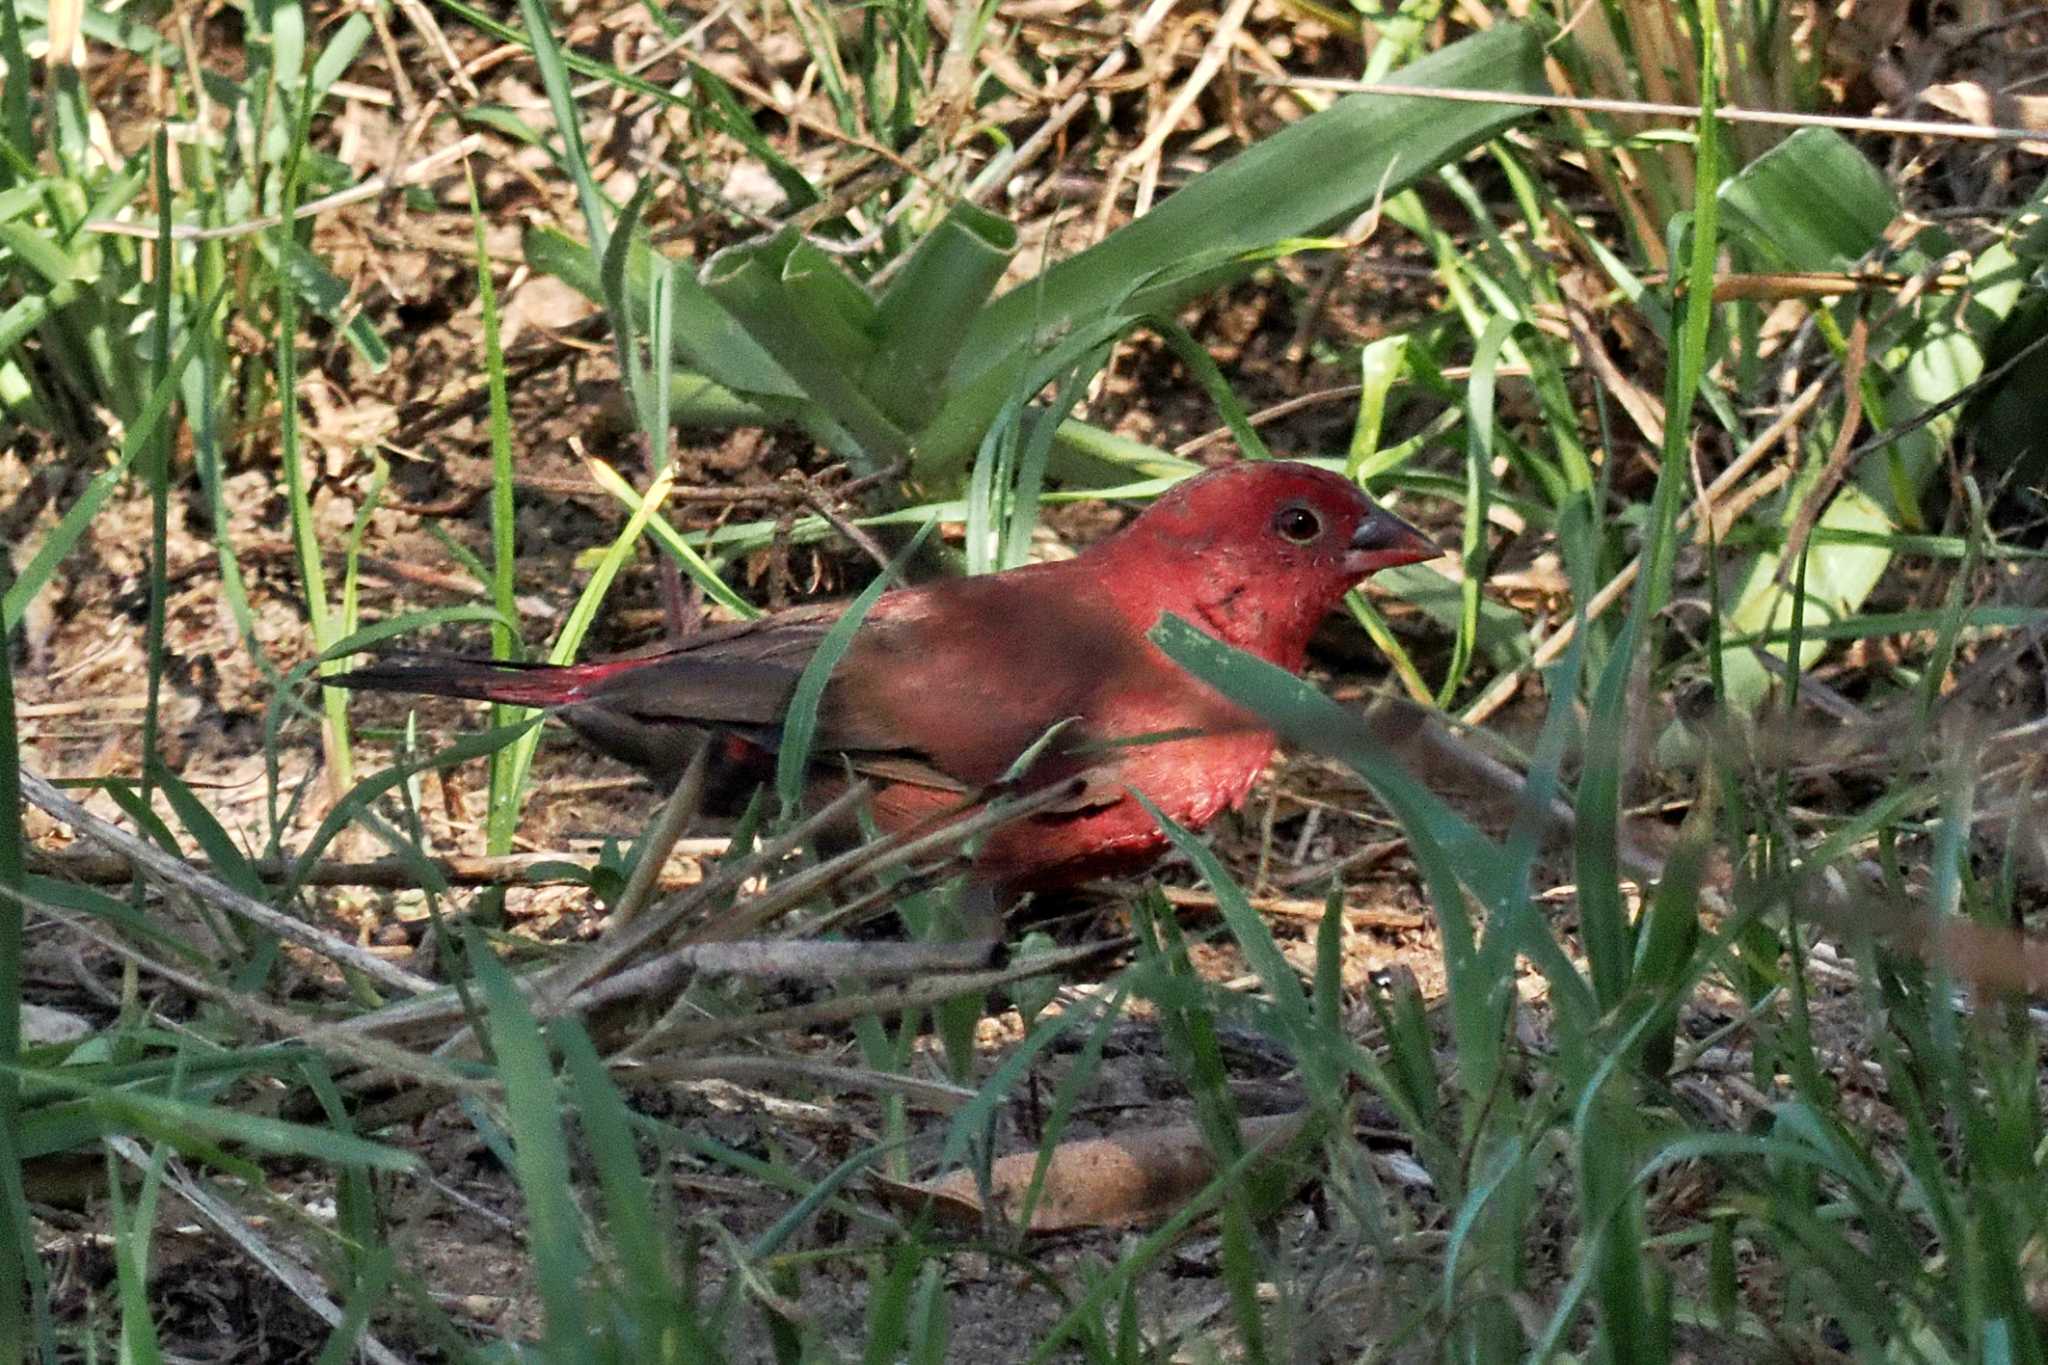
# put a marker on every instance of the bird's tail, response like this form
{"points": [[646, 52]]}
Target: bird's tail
{"points": [[516, 684]]}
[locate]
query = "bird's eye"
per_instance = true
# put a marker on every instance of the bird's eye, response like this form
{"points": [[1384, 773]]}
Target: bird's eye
{"points": [[1299, 524]]}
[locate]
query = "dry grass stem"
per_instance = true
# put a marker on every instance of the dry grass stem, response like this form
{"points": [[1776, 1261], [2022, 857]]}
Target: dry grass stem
{"points": [[1551, 647], [433, 163], [939, 1096], [782, 959], [168, 870], [676, 814], [699, 1033], [554, 868]]}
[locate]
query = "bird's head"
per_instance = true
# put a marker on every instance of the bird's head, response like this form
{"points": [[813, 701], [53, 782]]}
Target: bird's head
{"points": [[1259, 552]]}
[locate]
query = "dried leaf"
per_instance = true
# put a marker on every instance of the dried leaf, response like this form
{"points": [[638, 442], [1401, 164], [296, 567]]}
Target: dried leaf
{"points": [[1972, 102], [1133, 1177], [41, 1025], [546, 303]]}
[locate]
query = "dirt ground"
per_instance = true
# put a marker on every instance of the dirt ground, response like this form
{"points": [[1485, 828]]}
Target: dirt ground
{"points": [[412, 269]]}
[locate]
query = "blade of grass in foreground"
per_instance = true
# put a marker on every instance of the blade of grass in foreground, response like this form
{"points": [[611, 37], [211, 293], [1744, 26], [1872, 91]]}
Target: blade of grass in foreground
{"points": [[157, 470], [21, 1280], [540, 1153], [502, 817], [1188, 1026], [1608, 936], [801, 724], [1451, 850]]}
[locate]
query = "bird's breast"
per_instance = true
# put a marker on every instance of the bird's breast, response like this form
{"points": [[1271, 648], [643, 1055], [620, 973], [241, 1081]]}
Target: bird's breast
{"points": [[1190, 781]]}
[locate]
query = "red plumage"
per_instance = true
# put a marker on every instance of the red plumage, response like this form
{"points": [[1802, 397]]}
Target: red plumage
{"points": [[947, 683]]}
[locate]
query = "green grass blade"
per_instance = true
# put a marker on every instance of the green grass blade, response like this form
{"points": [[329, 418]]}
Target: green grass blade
{"points": [[554, 79], [628, 1203], [196, 1127], [502, 815], [670, 539], [21, 1279], [800, 724], [540, 1153], [1479, 430], [1323, 1056]]}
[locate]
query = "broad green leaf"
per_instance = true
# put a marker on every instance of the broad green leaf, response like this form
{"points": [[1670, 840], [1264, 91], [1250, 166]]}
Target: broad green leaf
{"points": [[1813, 202], [710, 339], [785, 301], [824, 298], [923, 318], [1838, 579], [1882, 498], [1310, 176]]}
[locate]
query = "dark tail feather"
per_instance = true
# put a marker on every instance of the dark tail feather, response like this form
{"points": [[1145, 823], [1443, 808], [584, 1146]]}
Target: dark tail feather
{"points": [[515, 684]]}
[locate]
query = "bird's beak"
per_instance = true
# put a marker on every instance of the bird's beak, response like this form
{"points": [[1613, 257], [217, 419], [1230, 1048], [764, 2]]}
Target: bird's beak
{"points": [[1383, 541]]}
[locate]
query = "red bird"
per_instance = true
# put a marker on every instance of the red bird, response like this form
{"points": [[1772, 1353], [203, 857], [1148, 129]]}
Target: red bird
{"points": [[946, 684]]}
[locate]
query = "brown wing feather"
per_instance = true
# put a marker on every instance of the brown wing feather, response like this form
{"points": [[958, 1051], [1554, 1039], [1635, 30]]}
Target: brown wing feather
{"points": [[741, 677], [953, 679]]}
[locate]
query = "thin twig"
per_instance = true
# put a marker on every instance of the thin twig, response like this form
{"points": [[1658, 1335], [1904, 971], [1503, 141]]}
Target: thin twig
{"points": [[846, 527], [1145, 156], [937, 834], [1287, 407], [938, 1095], [1837, 467], [620, 942], [368, 189], [429, 28], [1290, 907], [1074, 96], [378, 1057], [783, 959], [1548, 650], [703, 1032], [1357, 860]]}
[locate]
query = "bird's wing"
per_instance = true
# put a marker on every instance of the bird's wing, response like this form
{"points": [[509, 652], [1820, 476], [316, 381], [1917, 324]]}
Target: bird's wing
{"points": [[944, 685], [736, 676]]}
